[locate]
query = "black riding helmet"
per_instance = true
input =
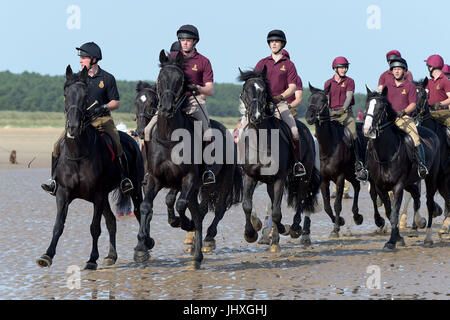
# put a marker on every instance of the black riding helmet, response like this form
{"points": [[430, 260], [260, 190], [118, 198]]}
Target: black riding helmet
{"points": [[90, 50], [188, 31], [398, 62], [276, 35]]}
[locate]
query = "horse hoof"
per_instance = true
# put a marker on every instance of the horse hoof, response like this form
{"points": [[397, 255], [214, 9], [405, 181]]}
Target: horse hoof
{"points": [[389, 247], [141, 256], [287, 230], [90, 266], [108, 261], [251, 239], [305, 241], [428, 244], [275, 248], [295, 234], [175, 223], [44, 262], [193, 265], [413, 234], [341, 221], [189, 240], [358, 219], [422, 223], [264, 241], [209, 246], [256, 223], [334, 235], [401, 242]]}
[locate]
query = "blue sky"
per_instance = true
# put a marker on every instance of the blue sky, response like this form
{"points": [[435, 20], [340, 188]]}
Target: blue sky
{"points": [[35, 37]]}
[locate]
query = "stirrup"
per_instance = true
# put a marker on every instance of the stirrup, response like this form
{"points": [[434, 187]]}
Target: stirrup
{"points": [[299, 166], [124, 188], [49, 186], [363, 172], [208, 177], [423, 167]]}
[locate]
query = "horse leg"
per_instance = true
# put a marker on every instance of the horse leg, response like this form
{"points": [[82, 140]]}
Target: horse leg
{"points": [[358, 218], [306, 239], [417, 220], [275, 192], [250, 233], [62, 205], [209, 244], [198, 221], [172, 219], [137, 198], [145, 242], [99, 208], [395, 234], [296, 230], [445, 228], [110, 220], [338, 205], [379, 221], [432, 207], [404, 213]]}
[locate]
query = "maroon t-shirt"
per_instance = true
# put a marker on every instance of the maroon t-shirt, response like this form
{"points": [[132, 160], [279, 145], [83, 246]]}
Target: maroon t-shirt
{"points": [[299, 85], [279, 75], [338, 91], [387, 76], [437, 89], [402, 96], [197, 69]]}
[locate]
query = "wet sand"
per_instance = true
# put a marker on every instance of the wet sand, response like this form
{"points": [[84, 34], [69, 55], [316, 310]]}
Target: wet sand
{"points": [[330, 269]]}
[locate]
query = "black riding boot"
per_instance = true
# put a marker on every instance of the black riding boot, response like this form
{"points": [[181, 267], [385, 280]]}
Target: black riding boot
{"points": [[299, 169], [361, 172], [50, 185], [125, 185], [419, 155], [208, 176]]}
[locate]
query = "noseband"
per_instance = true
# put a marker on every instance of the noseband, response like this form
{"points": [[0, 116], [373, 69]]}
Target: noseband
{"points": [[178, 97]]}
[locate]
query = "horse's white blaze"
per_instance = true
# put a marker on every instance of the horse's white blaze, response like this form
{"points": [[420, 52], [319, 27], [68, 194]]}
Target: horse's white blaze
{"points": [[68, 135], [369, 116], [241, 107], [143, 98], [258, 87]]}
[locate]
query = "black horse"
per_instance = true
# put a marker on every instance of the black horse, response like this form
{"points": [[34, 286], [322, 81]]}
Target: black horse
{"points": [[267, 136], [392, 166], [167, 171], [146, 103], [146, 107], [337, 158], [424, 119], [88, 169]]}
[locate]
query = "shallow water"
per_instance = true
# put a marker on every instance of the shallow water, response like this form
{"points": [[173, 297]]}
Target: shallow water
{"points": [[329, 269]]}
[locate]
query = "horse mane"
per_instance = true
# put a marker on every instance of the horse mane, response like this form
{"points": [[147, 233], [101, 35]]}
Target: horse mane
{"points": [[76, 77], [171, 61], [392, 114], [419, 83]]}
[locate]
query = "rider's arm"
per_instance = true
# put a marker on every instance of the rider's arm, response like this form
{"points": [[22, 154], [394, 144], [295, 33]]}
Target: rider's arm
{"points": [[410, 108], [113, 105], [289, 91], [348, 99], [207, 90], [446, 102], [298, 98]]}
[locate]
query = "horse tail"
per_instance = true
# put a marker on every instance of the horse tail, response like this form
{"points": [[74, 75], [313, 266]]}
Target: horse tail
{"points": [[306, 194], [310, 202], [122, 201]]}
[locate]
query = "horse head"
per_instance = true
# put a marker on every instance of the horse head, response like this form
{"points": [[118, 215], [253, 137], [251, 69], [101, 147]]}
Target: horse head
{"points": [[146, 103], [422, 98], [255, 96], [171, 84], [317, 105], [75, 98], [378, 113]]}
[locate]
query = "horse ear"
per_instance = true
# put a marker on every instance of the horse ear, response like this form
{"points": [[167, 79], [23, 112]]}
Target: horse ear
{"points": [[385, 91], [139, 86], [84, 74], [179, 58], [425, 82], [264, 71], [312, 89], [69, 72], [368, 90], [240, 71], [162, 57], [327, 89]]}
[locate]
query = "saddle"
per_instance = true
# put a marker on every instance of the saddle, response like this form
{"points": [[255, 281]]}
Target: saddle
{"points": [[348, 138]]}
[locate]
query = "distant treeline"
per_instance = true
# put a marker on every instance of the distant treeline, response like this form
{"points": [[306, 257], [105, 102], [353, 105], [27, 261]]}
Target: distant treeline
{"points": [[35, 92]]}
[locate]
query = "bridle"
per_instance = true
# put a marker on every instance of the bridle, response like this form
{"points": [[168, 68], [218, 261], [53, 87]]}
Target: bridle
{"points": [[255, 101], [377, 123], [144, 114], [178, 97], [84, 120], [318, 114]]}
